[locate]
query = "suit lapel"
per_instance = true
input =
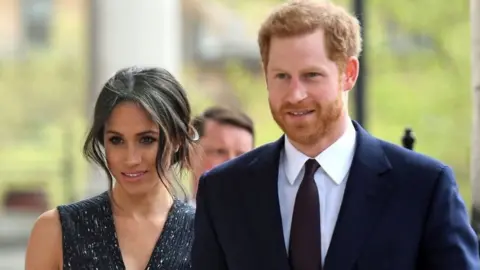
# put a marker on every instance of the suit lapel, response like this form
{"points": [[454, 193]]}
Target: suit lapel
{"points": [[363, 203], [264, 216]]}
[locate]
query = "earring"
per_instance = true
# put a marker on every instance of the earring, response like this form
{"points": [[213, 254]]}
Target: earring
{"points": [[195, 136]]}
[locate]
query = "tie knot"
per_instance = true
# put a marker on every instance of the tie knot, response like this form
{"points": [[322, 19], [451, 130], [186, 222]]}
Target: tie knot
{"points": [[311, 166]]}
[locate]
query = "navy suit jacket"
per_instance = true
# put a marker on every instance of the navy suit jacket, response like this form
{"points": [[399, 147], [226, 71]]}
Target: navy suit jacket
{"points": [[401, 211]]}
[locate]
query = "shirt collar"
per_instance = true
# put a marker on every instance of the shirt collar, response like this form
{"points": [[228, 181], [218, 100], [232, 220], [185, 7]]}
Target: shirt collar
{"points": [[335, 160]]}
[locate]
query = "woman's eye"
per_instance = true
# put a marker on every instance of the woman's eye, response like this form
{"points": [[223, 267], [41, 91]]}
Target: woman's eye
{"points": [[147, 140], [115, 140]]}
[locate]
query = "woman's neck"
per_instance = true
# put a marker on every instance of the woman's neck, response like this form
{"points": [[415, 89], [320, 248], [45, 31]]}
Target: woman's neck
{"points": [[156, 201]]}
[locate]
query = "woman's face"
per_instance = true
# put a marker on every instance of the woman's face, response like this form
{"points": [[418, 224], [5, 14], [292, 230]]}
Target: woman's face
{"points": [[131, 146]]}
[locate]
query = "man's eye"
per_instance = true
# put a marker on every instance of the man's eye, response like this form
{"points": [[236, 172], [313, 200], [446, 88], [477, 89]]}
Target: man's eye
{"points": [[313, 74]]}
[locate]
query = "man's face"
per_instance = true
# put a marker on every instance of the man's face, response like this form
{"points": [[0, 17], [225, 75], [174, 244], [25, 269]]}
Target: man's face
{"points": [[306, 90], [220, 143]]}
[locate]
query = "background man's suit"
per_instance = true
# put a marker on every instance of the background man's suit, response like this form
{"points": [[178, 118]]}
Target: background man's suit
{"points": [[400, 211]]}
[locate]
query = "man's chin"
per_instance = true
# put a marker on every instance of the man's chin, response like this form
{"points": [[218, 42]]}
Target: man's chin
{"points": [[304, 137]]}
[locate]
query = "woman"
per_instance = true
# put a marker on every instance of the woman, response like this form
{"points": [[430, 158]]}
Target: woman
{"points": [[140, 135]]}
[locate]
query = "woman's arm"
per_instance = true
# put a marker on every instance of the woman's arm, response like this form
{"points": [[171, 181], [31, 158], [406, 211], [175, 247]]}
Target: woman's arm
{"points": [[44, 250]]}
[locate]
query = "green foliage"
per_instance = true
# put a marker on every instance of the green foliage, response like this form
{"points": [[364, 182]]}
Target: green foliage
{"points": [[43, 101], [428, 89]]}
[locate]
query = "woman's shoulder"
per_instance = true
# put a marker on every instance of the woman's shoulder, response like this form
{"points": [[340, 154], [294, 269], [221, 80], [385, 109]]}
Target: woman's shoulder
{"points": [[52, 222], [48, 221], [80, 210], [44, 244]]}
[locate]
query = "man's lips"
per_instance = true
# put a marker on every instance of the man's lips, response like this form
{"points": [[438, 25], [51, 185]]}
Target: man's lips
{"points": [[300, 112]]}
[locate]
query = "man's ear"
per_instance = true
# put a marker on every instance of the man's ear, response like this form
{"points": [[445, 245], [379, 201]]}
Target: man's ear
{"points": [[352, 69]]}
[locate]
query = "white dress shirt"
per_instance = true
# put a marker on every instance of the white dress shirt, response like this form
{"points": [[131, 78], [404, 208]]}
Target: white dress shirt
{"points": [[330, 178]]}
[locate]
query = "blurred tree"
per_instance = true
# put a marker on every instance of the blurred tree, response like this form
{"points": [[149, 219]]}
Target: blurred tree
{"points": [[41, 108], [419, 76]]}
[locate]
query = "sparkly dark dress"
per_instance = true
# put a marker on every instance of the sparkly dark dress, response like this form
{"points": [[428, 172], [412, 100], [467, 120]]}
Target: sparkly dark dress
{"points": [[90, 241]]}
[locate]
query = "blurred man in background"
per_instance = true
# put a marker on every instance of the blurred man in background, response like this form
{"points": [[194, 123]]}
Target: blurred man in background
{"points": [[224, 134]]}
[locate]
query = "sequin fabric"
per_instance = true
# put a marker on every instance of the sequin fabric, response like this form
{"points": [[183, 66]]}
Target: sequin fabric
{"points": [[90, 242]]}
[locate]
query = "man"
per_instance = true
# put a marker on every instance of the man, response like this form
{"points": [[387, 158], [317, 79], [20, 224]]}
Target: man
{"points": [[224, 134], [327, 195]]}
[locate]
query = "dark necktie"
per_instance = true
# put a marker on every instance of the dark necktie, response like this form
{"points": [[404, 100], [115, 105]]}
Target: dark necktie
{"points": [[305, 239]]}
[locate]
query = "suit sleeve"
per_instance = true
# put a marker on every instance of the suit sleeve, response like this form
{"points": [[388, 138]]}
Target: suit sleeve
{"points": [[449, 241], [206, 251]]}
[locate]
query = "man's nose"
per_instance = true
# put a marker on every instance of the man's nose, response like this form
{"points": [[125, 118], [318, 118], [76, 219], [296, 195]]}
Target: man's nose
{"points": [[296, 90]]}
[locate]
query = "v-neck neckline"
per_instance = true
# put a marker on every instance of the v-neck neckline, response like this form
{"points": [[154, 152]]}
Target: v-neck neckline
{"points": [[158, 244]]}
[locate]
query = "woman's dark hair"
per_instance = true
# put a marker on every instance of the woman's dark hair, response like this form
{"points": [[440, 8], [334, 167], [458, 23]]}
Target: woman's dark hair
{"points": [[165, 100]]}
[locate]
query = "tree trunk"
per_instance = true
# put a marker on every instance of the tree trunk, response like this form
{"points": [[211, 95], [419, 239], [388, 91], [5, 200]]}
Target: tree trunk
{"points": [[475, 149]]}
